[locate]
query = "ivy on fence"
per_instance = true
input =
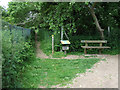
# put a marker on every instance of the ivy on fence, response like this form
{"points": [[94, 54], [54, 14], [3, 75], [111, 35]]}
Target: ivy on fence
{"points": [[17, 50]]}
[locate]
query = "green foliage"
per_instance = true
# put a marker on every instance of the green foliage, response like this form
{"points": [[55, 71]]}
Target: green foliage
{"points": [[75, 17], [15, 55], [113, 41], [48, 72], [86, 3], [45, 38], [79, 25], [45, 41], [76, 41], [58, 55]]}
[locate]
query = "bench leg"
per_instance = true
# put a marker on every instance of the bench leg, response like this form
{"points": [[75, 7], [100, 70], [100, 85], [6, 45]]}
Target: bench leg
{"points": [[65, 52], [85, 51], [100, 51]]}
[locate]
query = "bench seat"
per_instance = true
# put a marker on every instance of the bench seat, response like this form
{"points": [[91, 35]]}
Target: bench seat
{"points": [[100, 47], [95, 47]]}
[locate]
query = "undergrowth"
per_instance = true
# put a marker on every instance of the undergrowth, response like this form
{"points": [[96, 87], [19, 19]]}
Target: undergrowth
{"points": [[75, 40], [15, 55], [45, 41]]}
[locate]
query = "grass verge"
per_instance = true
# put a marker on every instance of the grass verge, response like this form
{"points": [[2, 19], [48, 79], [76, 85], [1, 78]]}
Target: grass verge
{"points": [[48, 72], [59, 55]]}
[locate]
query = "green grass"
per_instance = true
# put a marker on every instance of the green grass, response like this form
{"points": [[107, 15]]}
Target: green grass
{"points": [[111, 51], [48, 72], [75, 53], [58, 55], [96, 51], [89, 56]]}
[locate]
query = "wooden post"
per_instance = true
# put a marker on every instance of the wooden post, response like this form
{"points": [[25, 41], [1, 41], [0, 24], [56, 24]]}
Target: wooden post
{"points": [[85, 51], [65, 52], [52, 44], [22, 32], [100, 51], [100, 44], [86, 44]]}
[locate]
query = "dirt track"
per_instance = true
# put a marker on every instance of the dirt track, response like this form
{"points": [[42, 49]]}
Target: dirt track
{"points": [[39, 52]]}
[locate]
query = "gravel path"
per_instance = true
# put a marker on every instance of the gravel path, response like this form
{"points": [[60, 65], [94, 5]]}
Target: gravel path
{"points": [[104, 74]]}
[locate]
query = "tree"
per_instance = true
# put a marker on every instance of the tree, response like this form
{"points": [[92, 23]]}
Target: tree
{"points": [[91, 9], [75, 17]]}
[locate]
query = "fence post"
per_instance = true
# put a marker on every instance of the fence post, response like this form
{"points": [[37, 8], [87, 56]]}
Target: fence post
{"points": [[22, 31], [10, 29], [108, 31], [52, 44]]}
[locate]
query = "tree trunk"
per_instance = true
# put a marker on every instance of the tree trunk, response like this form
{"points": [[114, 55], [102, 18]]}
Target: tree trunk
{"points": [[96, 22], [35, 37]]}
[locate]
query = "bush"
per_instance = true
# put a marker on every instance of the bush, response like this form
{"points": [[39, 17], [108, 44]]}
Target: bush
{"points": [[75, 40], [15, 56], [46, 41], [113, 41], [45, 38]]}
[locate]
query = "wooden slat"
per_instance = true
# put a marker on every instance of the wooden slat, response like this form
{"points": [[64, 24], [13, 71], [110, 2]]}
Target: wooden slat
{"points": [[93, 41], [95, 47]]}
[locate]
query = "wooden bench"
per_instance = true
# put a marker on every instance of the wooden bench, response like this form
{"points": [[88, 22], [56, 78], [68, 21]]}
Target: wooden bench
{"points": [[94, 41]]}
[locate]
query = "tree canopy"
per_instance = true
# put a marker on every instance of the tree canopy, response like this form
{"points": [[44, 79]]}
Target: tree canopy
{"points": [[75, 17]]}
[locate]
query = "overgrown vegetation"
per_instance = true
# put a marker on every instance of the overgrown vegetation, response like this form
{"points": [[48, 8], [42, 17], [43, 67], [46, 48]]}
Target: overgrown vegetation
{"points": [[112, 42], [76, 20], [75, 47], [45, 38], [15, 55], [46, 41], [48, 72]]}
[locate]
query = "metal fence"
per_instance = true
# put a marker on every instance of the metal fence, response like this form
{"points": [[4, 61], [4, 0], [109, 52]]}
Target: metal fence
{"points": [[16, 32]]}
